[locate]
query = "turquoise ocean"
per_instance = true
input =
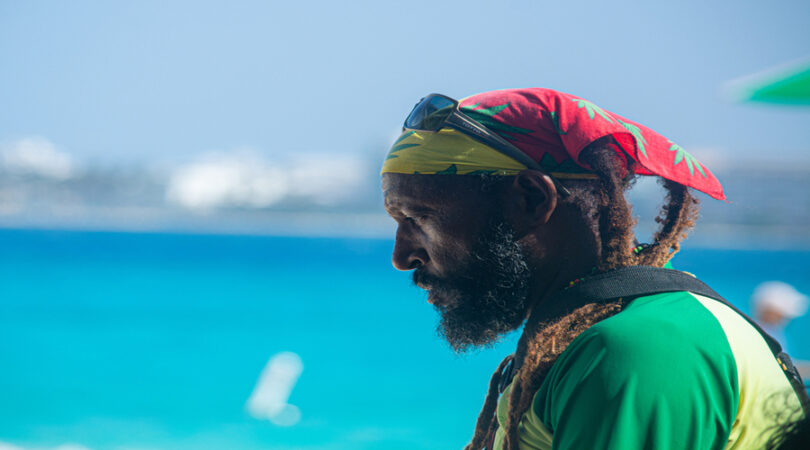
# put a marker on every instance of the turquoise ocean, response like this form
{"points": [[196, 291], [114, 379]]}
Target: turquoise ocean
{"points": [[156, 341]]}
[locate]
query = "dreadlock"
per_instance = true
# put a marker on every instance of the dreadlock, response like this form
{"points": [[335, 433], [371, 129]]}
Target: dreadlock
{"points": [[602, 204]]}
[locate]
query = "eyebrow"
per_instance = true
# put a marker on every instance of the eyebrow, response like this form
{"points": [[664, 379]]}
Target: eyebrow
{"points": [[419, 209], [407, 207]]}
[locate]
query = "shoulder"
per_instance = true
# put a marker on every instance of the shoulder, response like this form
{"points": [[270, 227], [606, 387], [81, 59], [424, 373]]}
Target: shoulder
{"points": [[661, 326], [665, 349]]}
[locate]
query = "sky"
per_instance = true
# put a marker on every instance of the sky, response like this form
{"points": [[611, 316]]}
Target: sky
{"points": [[156, 81]]}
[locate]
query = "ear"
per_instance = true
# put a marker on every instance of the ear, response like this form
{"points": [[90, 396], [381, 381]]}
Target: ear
{"points": [[536, 197]]}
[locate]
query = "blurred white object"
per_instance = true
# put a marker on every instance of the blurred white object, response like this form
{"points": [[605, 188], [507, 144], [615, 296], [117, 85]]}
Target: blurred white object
{"points": [[246, 179], [227, 180], [269, 397], [780, 298], [38, 156]]}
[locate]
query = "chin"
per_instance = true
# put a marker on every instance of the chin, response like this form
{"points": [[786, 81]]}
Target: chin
{"points": [[466, 326]]}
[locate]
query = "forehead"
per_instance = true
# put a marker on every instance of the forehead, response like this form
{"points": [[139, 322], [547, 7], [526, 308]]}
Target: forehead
{"points": [[404, 190], [401, 187]]}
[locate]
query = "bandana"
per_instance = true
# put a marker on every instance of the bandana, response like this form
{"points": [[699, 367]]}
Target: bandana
{"points": [[552, 128]]}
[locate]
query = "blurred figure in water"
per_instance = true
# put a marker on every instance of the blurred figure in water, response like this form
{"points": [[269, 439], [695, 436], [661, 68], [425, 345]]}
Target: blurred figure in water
{"points": [[775, 304]]}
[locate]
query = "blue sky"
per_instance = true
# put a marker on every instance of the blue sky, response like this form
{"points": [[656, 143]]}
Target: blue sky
{"points": [[164, 81]]}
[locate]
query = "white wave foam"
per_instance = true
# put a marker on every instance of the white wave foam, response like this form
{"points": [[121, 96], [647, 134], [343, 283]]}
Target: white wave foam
{"points": [[7, 446]]}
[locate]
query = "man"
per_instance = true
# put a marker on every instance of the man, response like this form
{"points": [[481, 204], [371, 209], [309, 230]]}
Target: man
{"points": [[510, 202], [775, 304]]}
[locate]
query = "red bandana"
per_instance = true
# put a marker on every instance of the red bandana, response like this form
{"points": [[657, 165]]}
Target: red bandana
{"points": [[553, 128]]}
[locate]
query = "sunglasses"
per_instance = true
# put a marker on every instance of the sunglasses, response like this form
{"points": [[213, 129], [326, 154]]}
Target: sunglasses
{"points": [[437, 111]]}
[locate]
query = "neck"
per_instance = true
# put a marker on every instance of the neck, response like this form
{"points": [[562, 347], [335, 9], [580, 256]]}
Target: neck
{"points": [[555, 271], [540, 308], [578, 263]]}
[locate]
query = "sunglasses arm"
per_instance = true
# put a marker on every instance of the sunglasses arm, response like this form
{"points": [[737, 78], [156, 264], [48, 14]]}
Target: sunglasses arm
{"points": [[474, 129]]}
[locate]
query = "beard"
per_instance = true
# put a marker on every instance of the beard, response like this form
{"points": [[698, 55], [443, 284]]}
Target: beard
{"points": [[486, 296]]}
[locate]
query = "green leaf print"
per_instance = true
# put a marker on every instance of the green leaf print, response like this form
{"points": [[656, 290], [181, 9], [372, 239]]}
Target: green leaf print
{"points": [[486, 117], [591, 109], [399, 147], [403, 137], [636, 132], [683, 155], [566, 166], [555, 119], [452, 170], [493, 110]]}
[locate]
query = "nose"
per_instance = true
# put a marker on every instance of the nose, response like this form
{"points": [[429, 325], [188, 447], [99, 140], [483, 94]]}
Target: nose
{"points": [[408, 254]]}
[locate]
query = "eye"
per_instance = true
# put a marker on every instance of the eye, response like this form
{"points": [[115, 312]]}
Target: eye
{"points": [[414, 216], [419, 218], [413, 220]]}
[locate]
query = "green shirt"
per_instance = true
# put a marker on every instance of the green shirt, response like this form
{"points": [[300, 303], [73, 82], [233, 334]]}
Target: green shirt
{"points": [[671, 371]]}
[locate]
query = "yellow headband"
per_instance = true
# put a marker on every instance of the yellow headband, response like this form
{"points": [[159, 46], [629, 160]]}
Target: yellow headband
{"points": [[448, 151]]}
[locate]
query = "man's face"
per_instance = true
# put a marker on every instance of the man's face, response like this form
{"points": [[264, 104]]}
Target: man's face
{"points": [[462, 251]]}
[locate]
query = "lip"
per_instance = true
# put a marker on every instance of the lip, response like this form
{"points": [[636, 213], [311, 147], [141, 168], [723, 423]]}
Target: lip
{"points": [[437, 300], [422, 279]]}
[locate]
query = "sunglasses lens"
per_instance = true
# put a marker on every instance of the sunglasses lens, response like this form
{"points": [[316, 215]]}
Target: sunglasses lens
{"points": [[430, 113]]}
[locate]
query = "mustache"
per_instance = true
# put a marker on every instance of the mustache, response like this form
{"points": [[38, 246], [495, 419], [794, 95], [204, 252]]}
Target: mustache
{"points": [[425, 280]]}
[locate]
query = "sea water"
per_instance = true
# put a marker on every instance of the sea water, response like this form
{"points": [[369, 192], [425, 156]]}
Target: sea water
{"points": [[158, 341]]}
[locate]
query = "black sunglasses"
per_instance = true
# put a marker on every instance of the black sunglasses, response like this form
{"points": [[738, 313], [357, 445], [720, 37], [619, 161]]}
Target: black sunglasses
{"points": [[437, 111]]}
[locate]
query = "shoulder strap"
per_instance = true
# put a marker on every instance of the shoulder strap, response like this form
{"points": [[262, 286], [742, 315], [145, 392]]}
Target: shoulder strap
{"points": [[635, 281]]}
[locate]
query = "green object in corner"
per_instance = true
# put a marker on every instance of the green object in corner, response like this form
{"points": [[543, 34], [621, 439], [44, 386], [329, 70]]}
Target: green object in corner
{"points": [[788, 85]]}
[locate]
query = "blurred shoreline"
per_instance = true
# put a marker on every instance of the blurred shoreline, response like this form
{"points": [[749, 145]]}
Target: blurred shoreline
{"points": [[380, 226], [321, 195]]}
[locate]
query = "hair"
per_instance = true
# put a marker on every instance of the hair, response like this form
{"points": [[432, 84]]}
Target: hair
{"points": [[791, 425], [603, 205], [793, 435]]}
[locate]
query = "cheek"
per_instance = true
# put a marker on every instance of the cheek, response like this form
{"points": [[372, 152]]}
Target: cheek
{"points": [[448, 247]]}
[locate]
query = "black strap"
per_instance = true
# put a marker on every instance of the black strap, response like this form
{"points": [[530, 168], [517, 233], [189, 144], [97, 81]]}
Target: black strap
{"points": [[636, 281]]}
